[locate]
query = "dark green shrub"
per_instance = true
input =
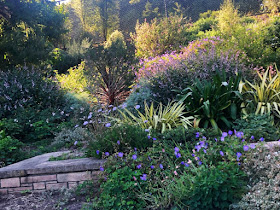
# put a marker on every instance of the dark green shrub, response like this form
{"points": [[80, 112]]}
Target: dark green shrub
{"points": [[33, 108], [185, 136], [10, 149], [118, 192], [214, 103], [257, 126], [129, 136], [216, 187]]}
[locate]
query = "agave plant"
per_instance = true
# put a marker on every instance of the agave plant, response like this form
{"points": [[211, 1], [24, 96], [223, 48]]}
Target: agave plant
{"points": [[160, 118], [213, 104], [263, 97]]}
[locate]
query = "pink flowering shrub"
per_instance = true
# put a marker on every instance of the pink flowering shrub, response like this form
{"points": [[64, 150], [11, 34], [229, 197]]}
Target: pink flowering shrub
{"points": [[175, 71]]}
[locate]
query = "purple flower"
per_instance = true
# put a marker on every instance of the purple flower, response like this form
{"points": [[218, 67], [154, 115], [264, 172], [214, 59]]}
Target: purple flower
{"points": [[147, 130], [107, 153], [199, 163], [134, 157], [204, 150], [222, 138], [138, 166], [149, 158], [152, 167], [221, 153], [145, 121], [115, 108], [76, 126], [245, 147], [154, 139], [182, 163], [161, 166], [137, 107], [97, 152], [198, 147], [101, 169], [261, 139], [252, 137], [149, 136], [239, 134], [176, 149], [107, 125], [120, 154], [197, 135], [187, 165], [178, 155], [238, 154], [253, 146], [230, 133], [85, 123], [135, 149], [193, 155], [143, 177], [118, 142], [75, 143], [224, 134]]}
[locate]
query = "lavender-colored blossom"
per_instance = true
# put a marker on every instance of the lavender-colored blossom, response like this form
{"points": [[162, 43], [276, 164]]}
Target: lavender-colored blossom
{"points": [[222, 138], [115, 108], [143, 177], [182, 163], [199, 163], [261, 139], [76, 126], [197, 135], [137, 107], [152, 167], [145, 121], [101, 169], [134, 157], [120, 154], [253, 146], [204, 150], [138, 166], [176, 149], [239, 134], [187, 165], [221, 153], [198, 147], [230, 132], [118, 142], [224, 134], [178, 155], [97, 152], [154, 139], [161, 166], [147, 130], [75, 143], [107, 153], [252, 137], [245, 148], [85, 123], [108, 125]]}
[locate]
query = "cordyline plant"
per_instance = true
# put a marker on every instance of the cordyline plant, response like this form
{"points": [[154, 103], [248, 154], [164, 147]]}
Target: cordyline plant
{"points": [[110, 71]]}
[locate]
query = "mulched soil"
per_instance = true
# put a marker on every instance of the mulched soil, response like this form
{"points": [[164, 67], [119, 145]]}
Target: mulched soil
{"points": [[54, 200]]}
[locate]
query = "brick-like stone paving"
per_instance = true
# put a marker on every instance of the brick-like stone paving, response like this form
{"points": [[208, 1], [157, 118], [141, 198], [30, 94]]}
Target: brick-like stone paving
{"points": [[39, 174]]}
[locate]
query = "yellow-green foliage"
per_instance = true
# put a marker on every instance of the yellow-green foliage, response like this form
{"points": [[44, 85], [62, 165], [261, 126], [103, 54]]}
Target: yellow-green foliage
{"points": [[264, 95], [160, 118], [272, 5], [117, 40], [228, 17], [75, 80], [159, 36]]}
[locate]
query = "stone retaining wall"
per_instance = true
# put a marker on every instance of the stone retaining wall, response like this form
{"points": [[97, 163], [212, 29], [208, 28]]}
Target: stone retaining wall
{"points": [[39, 174], [44, 182]]}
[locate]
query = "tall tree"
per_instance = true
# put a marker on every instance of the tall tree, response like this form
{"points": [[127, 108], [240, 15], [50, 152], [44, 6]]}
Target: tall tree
{"points": [[28, 31]]}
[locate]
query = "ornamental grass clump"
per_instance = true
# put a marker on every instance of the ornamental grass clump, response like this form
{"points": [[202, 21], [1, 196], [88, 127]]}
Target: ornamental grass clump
{"points": [[161, 118]]}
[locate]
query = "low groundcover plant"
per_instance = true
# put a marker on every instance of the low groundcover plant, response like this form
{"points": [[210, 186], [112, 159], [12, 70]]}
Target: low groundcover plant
{"points": [[205, 175]]}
